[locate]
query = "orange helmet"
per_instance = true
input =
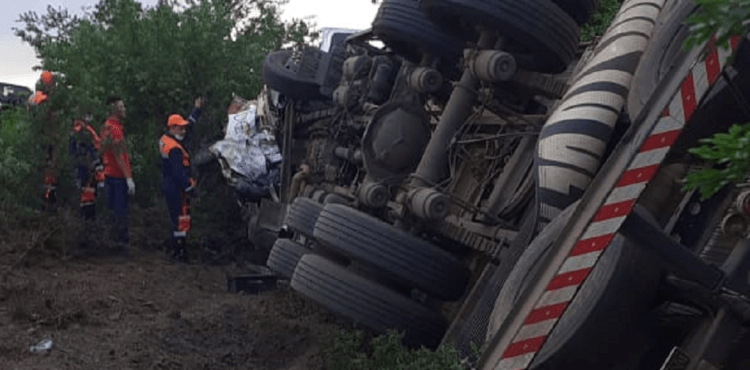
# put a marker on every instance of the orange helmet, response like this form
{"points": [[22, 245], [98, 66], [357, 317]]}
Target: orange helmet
{"points": [[47, 78], [176, 120]]}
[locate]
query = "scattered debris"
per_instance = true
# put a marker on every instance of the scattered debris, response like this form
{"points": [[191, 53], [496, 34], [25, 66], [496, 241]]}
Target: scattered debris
{"points": [[42, 347]]}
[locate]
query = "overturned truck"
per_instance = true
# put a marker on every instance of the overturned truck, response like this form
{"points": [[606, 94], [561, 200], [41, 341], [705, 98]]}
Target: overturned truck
{"points": [[469, 173]]}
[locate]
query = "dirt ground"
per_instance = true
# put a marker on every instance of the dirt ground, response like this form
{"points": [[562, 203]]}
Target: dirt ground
{"points": [[144, 312]]}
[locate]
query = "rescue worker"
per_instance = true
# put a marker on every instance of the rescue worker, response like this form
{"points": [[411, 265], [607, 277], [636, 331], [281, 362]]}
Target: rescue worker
{"points": [[45, 116], [37, 98], [83, 146], [118, 177], [177, 185], [44, 86]]}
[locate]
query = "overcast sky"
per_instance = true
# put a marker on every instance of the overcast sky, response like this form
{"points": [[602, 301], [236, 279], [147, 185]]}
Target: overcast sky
{"points": [[17, 58]]}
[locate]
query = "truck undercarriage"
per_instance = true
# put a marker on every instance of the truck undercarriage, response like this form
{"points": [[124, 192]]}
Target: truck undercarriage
{"points": [[445, 168]]}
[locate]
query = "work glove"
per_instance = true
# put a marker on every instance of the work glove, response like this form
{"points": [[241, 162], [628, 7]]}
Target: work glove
{"points": [[99, 174], [96, 165], [131, 186], [192, 192]]}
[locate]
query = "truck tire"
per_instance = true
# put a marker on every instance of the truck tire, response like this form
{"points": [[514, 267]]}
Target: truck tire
{"points": [[330, 71], [366, 302], [403, 258], [302, 215], [580, 10], [262, 239], [541, 36], [293, 73], [410, 33], [610, 304], [284, 257]]}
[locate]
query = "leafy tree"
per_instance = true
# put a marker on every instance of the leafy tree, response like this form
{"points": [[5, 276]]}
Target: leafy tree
{"points": [[54, 26], [17, 170], [158, 59], [729, 152]]}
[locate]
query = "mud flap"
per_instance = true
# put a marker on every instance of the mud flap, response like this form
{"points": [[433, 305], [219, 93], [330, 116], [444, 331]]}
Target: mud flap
{"points": [[265, 223]]}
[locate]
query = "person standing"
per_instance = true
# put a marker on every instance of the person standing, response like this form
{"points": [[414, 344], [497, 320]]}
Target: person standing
{"points": [[118, 177], [83, 146], [177, 186], [45, 115]]}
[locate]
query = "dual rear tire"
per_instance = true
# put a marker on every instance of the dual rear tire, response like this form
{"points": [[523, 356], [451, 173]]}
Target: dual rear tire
{"points": [[387, 264]]}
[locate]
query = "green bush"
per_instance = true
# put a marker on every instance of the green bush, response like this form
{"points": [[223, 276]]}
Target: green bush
{"points": [[601, 19], [18, 152], [728, 153], [158, 59], [719, 18], [350, 351]]}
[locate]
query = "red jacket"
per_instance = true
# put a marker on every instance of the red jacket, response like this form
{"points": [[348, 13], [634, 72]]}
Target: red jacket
{"points": [[111, 137]]}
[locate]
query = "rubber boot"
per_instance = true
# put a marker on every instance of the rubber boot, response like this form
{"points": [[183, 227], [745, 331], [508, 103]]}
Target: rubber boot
{"points": [[88, 212], [179, 251]]}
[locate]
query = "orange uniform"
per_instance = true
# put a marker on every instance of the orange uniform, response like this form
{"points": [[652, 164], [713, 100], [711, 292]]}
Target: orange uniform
{"points": [[89, 171], [176, 184], [112, 140]]}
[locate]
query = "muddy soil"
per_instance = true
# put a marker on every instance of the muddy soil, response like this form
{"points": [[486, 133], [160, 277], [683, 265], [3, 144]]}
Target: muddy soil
{"points": [[145, 312]]}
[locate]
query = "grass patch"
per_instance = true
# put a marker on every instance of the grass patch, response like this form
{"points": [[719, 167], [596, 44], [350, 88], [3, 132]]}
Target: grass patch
{"points": [[351, 350]]}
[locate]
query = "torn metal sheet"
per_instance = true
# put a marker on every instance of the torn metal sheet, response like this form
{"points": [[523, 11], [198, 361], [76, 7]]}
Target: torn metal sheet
{"points": [[248, 154]]}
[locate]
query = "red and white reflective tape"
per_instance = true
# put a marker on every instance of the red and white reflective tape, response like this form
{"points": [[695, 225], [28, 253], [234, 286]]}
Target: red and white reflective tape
{"points": [[609, 218]]}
